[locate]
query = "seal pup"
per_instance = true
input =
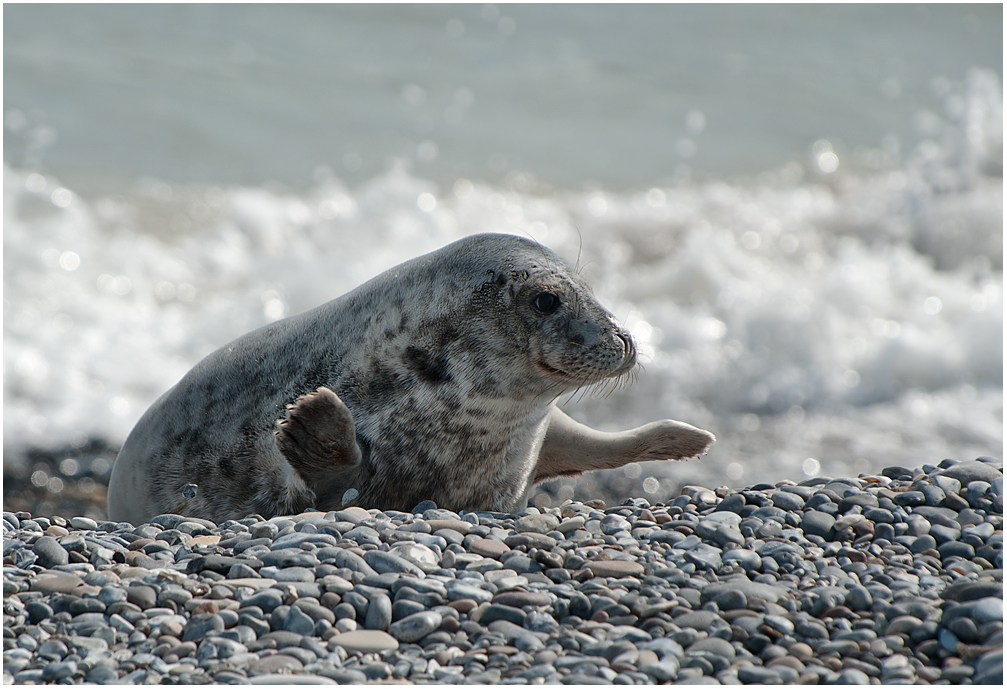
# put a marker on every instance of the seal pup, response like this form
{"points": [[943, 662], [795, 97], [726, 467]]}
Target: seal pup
{"points": [[436, 380]]}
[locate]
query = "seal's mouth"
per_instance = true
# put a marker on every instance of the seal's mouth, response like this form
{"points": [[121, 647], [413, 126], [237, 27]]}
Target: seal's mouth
{"points": [[554, 371], [586, 375]]}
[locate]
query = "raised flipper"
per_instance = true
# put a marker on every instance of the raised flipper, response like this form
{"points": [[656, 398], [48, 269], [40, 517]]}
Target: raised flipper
{"points": [[317, 437], [571, 448]]}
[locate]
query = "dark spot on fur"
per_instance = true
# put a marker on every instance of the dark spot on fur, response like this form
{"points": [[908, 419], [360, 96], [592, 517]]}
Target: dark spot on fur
{"points": [[431, 369], [390, 333], [226, 466], [382, 385], [446, 336]]}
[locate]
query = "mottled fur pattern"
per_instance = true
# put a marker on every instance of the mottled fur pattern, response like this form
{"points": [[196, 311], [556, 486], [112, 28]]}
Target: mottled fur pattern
{"points": [[449, 365]]}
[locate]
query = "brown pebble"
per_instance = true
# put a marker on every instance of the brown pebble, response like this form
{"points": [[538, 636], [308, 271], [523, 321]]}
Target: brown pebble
{"points": [[203, 540], [488, 547], [459, 525], [549, 657], [169, 639], [185, 649], [801, 650], [463, 605], [48, 582], [787, 661], [132, 573], [86, 590], [139, 559], [506, 650], [140, 543], [615, 568], [142, 596], [270, 664], [206, 607], [162, 649], [330, 599], [600, 616], [221, 592], [171, 628], [646, 658]]}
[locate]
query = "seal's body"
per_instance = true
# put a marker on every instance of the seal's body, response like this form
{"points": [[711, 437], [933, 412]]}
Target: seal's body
{"points": [[435, 380]]}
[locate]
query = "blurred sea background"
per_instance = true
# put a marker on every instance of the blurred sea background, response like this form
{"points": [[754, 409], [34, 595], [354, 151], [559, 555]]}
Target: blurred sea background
{"points": [[797, 210]]}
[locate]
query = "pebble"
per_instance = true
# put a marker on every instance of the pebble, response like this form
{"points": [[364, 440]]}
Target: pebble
{"points": [[894, 579], [415, 626]]}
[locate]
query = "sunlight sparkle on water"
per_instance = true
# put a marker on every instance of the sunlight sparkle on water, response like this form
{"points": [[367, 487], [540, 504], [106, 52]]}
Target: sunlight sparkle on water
{"points": [[62, 197], [69, 261], [426, 202], [35, 183]]}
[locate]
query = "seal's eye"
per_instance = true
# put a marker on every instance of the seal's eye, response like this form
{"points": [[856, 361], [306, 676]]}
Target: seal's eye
{"points": [[546, 302]]}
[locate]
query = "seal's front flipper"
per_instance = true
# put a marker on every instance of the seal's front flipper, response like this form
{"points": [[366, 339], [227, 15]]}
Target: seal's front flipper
{"points": [[317, 436], [571, 448]]}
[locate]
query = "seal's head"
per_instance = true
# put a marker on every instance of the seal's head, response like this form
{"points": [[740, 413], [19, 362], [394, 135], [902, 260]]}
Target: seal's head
{"points": [[571, 338], [528, 311]]}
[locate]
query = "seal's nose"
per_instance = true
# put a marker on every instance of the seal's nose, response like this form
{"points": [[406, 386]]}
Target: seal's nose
{"points": [[629, 349]]}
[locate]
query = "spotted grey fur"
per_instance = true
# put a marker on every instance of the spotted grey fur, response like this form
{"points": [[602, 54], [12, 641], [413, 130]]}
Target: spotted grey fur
{"points": [[436, 380]]}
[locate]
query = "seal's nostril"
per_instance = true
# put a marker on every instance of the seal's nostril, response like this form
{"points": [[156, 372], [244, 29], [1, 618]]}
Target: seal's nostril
{"points": [[629, 349]]}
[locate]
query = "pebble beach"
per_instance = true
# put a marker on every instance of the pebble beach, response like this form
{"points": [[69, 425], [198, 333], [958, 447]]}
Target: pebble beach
{"points": [[895, 578]]}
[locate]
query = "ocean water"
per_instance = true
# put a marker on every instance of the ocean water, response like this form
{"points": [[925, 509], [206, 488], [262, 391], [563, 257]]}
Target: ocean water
{"points": [[826, 299]]}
